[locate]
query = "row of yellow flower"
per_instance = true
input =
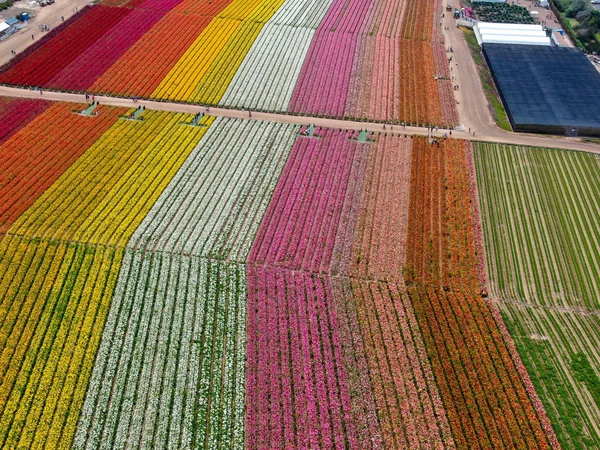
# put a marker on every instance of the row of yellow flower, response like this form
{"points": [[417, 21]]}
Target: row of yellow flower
{"points": [[54, 339], [59, 263], [104, 196], [208, 66]]}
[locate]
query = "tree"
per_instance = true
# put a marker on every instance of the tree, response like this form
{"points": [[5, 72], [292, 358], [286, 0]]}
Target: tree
{"points": [[576, 7]]}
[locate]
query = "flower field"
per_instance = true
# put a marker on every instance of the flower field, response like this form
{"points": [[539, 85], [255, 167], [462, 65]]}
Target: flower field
{"points": [[226, 283], [34, 157], [382, 60], [16, 113], [190, 244], [60, 258], [540, 219]]}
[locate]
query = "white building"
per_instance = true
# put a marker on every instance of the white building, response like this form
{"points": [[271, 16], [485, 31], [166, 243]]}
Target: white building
{"points": [[510, 33]]}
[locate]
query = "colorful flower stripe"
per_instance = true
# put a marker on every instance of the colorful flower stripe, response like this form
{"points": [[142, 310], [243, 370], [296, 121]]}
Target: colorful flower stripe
{"points": [[419, 20], [327, 215], [51, 327], [299, 399], [392, 78], [175, 337], [379, 250], [89, 65], [141, 69], [268, 74], [156, 5], [57, 53], [210, 48], [358, 255], [325, 77], [215, 203], [388, 59], [186, 74], [300, 225], [38, 154], [373, 88], [410, 412], [221, 68], [16, 114], [365, 416], [214, 83], [240, 10], [457, 323], [133, 3], [211, 209], [367, 59], [125, 171], [265, 81]]}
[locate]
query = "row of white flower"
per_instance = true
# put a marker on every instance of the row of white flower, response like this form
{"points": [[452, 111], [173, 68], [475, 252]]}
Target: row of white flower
{"points": [[228, 178], [170, 368], [301, 13], [170, 371], [267, 77]]}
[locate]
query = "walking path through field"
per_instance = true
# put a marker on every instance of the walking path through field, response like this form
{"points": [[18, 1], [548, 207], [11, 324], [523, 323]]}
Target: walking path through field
{"points": [[484, 134]]}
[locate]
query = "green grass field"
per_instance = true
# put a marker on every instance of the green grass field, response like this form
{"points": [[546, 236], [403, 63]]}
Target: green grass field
{"points": [[541, 215]]}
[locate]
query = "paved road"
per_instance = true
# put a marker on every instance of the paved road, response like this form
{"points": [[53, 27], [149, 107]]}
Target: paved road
{"points": [[496, 136]]}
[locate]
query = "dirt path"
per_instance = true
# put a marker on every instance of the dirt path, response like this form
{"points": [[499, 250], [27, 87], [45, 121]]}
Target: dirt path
{"points": [[493, 134], [49, 15], [473, 109]]}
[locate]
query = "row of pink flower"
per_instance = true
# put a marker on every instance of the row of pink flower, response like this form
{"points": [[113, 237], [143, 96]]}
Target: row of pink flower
{"points": [[447, 101], [296, 384], [376, 65], [385, 86], [445, 85], [361, 54], [323, 83], [302, 220], [440, 58], [383, 223]]}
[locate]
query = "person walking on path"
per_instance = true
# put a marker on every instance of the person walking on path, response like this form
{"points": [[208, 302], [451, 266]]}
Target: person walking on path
{"points": [[32, 37]]}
